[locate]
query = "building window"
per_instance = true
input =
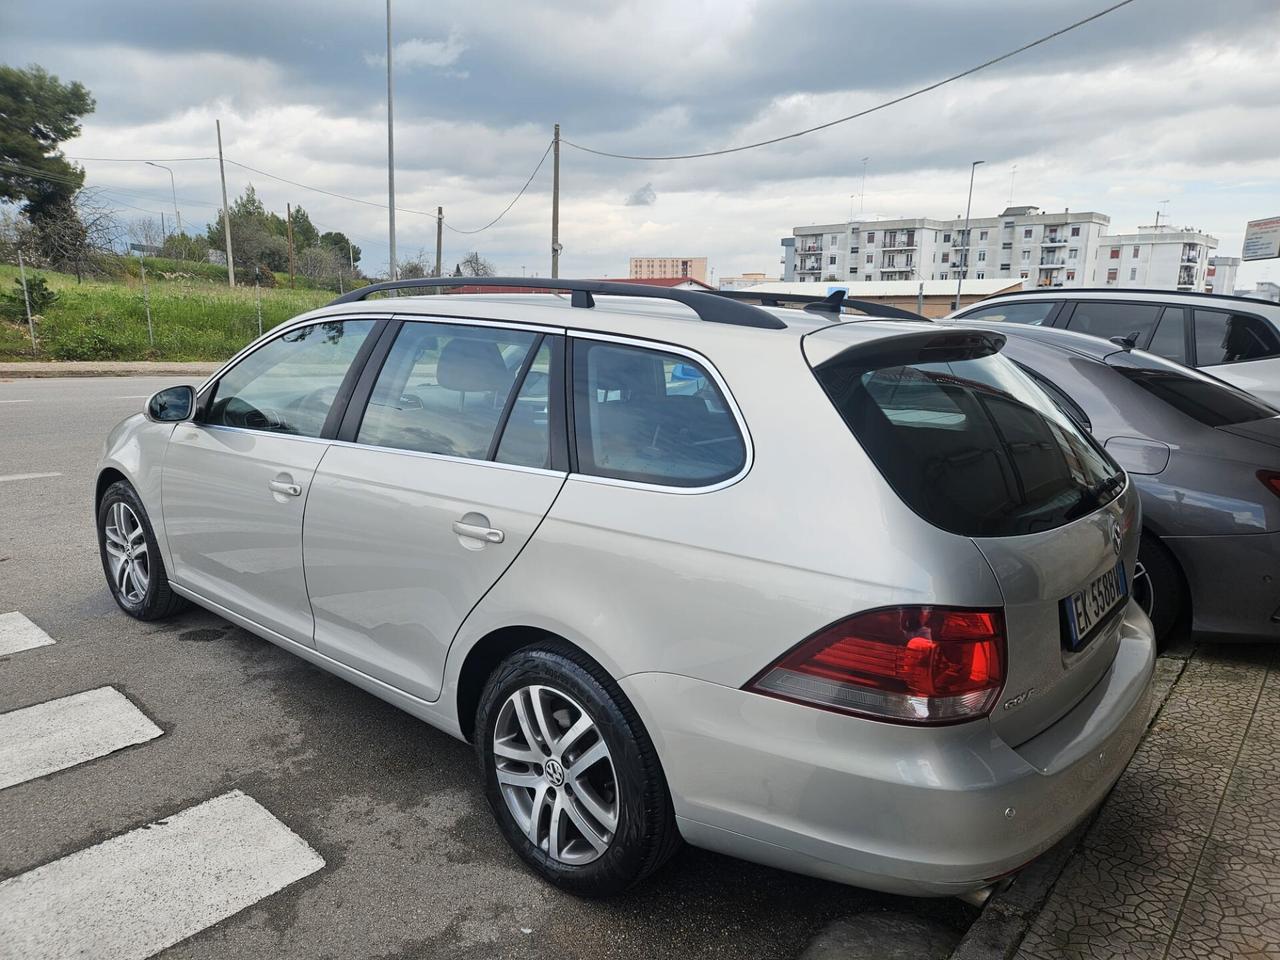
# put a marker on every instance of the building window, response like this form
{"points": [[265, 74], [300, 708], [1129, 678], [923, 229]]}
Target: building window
{"points": [[946, 238], [981, 275], [831, 260], [1112, 274], [871, 258], [1072, 252], [982, 234], [1133, 273], [1008, 224], [946, 257], [1075, 231], [1026, 234], [942, 276], [982, 255], [1071, 275], [1006, 267], [1115, 253], [834, 239], [867, 277], [1136, 251], [871, 236], [1023, 274], [1026, 256], [1006, 246]]}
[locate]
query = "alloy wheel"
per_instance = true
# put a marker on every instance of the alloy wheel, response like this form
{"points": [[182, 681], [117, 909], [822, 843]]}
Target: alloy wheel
{"points": [[556, 774], [127, 554]]}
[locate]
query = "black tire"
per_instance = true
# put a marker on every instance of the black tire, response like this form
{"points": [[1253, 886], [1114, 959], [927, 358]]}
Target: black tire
{"points": [[646, 835], [1158, 587], [157, 601]]}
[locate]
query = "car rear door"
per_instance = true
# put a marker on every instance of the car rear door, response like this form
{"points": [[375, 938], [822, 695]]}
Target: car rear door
{"points": [[235, 480], [1241, 348], [451, 453]]}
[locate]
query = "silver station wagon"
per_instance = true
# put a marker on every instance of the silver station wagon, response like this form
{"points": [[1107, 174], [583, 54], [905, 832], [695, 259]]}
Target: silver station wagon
{"points": [[844, 595]]}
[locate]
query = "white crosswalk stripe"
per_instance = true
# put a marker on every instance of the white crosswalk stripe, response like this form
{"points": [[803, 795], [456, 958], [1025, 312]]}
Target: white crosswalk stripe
{"points": [[138, 893], [18, 633], [58, 734]]}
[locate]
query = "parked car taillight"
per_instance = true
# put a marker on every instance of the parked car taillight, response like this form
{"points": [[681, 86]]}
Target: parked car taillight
{"points": [[1271, 480], [907, 664]]}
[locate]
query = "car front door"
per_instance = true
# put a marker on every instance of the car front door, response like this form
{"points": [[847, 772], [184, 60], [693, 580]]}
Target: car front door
{"points": [[235, 480], [437, 481]]}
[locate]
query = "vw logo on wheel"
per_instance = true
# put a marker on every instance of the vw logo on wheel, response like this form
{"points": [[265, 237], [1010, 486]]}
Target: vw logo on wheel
{"points": [[554, 772], [1117, 538]]}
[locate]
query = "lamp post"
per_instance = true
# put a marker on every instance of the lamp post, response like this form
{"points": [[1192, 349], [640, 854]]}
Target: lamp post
{"points": [[967, 208], [172, 190], [862, 197]]}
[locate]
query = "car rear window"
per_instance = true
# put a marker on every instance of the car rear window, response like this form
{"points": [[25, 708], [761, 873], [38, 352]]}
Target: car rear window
{"points": [[1195, 394], [967, 440]]}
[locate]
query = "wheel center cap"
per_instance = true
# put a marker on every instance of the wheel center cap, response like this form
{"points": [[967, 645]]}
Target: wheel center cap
{"points": [[554, 772]]}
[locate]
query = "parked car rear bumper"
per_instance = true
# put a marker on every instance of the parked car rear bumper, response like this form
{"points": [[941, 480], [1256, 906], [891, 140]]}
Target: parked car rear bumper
{"points": [[910, 810], [1234, 584]]}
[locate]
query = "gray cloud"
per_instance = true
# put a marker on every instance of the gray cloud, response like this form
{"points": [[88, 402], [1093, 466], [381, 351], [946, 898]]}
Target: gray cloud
{"points": [[644, 196]]}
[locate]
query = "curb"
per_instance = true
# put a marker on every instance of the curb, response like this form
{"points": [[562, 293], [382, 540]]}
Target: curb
{"points": [[85, 368], [1008, 914]]}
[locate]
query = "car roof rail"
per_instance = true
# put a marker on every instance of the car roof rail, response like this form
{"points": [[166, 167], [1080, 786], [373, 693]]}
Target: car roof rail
{"points": [[832, 303], [707, 304], [1120, 293]]}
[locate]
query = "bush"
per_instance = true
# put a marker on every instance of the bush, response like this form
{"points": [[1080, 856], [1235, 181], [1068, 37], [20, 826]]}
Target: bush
{"points": [[13, 306], [90, 338]]}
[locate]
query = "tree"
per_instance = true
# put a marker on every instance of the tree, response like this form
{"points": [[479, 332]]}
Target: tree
{"points": [[146, 232], [257, 237], [304, 232], [37, 113], [339, 242], [474, 265], [79, 236]]}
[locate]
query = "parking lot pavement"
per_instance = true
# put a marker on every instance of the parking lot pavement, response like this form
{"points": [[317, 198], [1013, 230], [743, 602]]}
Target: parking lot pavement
{"points": [[186, 783], [1184, 859]]}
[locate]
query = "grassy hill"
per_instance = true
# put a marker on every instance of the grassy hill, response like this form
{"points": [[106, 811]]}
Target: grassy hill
{"points": [[194, 314]]}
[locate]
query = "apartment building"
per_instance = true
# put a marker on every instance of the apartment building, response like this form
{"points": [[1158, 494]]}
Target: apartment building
{"points": [[743, 281], [1220, 277], [1160, 257], [1024, 243], [658, 268]]}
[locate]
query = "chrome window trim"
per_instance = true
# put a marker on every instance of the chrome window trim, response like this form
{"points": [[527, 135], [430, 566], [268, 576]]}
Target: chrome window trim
{"points": [[661, 346], [512, 325]]}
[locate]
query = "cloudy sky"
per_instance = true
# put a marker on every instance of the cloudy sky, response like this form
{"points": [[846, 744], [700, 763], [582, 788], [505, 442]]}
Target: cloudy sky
{"points": [[1163, 100]]}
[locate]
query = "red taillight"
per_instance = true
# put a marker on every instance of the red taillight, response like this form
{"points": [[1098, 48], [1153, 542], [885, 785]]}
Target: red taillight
{"points": [[911, 664], [1271, 480]]}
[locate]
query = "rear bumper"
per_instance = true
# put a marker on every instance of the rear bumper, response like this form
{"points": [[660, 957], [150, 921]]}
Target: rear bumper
{"points": [[1234, 583], [909, 810]]}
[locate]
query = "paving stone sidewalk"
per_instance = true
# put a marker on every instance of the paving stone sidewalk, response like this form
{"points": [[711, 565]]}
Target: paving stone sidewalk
{"points": [[1183, 861]]}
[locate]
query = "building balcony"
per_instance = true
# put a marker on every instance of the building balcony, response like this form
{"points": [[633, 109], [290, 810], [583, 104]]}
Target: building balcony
{"points": [[1052, 264], [1053, 241]]}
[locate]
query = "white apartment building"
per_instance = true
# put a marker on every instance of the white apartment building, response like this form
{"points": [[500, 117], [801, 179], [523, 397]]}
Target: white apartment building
{"points": [[1040, 249], [1220, 277], [745, 281], [1156, 257]]}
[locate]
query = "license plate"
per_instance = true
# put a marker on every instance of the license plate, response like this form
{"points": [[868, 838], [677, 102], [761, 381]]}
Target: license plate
{"points": [[1086, 609]]}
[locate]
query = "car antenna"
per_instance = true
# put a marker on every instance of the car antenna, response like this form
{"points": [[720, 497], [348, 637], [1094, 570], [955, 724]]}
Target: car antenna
{"points": [[1126, 343]]}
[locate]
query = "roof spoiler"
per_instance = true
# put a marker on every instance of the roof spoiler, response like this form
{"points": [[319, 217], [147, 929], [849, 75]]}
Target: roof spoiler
{"points": [[709, 305]]}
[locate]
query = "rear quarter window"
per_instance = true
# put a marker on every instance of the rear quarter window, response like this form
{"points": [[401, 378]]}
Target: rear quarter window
{"points": [[1199, 396], [1034, 314]]}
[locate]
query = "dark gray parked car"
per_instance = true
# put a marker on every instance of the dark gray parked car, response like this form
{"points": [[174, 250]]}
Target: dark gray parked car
{"points": [[1205, 458]]}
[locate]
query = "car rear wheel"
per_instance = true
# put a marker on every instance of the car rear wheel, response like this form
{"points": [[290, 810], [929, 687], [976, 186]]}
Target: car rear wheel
{"points": [[570, 773], [131, 557], [1157, 587]]}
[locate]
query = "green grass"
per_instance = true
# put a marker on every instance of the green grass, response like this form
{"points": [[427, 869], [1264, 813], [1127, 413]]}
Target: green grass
{"points": [[194, 316]]}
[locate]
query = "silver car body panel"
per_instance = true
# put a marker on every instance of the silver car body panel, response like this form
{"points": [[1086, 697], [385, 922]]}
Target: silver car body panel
{"points": [[682, 595]]}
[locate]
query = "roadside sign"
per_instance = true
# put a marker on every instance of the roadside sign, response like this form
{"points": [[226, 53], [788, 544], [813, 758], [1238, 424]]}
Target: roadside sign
{"points": [[1261, 239]]}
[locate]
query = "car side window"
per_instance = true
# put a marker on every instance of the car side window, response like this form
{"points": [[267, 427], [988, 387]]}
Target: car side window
{"points": [[1035, 314], [289, 384], [652, 417], [1170, 339], [526, 437], [443, 388], [1107, 319], [1230, 337]]}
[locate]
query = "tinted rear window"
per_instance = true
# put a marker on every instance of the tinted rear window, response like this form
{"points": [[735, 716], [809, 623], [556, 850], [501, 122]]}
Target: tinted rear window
{"points": [[972, 445], [1201, 397]]}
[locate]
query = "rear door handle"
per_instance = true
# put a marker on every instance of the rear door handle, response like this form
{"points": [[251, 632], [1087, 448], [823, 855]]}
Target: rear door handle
{"points": [[473, 531], [285, 487]]}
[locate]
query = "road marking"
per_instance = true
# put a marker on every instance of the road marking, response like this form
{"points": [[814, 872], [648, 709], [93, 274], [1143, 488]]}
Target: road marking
{"points": [[19, 633], [62, 733], [136, 894], [27, 476], [136, 396], [32, 400]]}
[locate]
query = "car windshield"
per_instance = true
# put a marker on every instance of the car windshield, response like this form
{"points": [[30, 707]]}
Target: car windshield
{"points": [[1198, 395], [971, 444]]}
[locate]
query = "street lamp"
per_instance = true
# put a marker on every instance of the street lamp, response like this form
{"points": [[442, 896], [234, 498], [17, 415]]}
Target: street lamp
{"points": [[967, 207], [862, 197], [172, 189]]}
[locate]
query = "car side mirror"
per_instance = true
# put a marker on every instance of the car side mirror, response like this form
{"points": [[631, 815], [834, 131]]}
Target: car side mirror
{"points": [[171, 405]]}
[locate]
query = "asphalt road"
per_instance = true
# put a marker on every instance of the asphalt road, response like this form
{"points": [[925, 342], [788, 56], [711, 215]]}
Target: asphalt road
{"points": [[412, 865]]}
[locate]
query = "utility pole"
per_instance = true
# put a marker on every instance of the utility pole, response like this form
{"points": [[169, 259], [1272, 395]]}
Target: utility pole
{"points": [[439, 236], [226, 213], [967, 208], [555, 207], [862, 197], [391, 162], [163, 232], [288, 229], [26, 300]]}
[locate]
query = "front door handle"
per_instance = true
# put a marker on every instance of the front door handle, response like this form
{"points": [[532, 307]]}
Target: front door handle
{"points": [[474, 531], [286, 487]]}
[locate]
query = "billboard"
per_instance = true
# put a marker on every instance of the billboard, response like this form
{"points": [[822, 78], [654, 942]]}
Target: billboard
{"points": [[1261, 239]]}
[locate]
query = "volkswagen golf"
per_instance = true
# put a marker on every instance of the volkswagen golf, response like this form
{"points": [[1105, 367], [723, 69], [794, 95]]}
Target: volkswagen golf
{"points": [[841, 594]]}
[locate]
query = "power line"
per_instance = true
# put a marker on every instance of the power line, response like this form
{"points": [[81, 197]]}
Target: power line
{"points": [[514, 199], [862, 113]]}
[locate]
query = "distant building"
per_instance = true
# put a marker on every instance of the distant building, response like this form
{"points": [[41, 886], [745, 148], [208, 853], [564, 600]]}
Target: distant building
{"points": [[672, 283], [1156, 257], [649, 268], [1220, 277], [1023, 244], [1265, 290], [932, 298], [745, 280]]}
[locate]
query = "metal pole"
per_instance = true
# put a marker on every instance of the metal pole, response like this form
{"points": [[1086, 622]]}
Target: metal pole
{"points": [[439, 236], [862, 197], [967, 207], [920, 300], [555, 208], [164, 234], [288, 229], [391, 162], [172, 189], [257, 291], [146, 299], [26, 299], [226, 213]]}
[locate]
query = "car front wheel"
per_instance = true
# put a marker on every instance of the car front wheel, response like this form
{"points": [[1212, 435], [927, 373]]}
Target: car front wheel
{"points": [[570, 773], [131, 557]]}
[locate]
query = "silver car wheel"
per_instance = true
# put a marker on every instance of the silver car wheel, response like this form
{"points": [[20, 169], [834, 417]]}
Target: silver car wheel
{"points": [[556, 774], [126, 546], [1143, 589]]}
